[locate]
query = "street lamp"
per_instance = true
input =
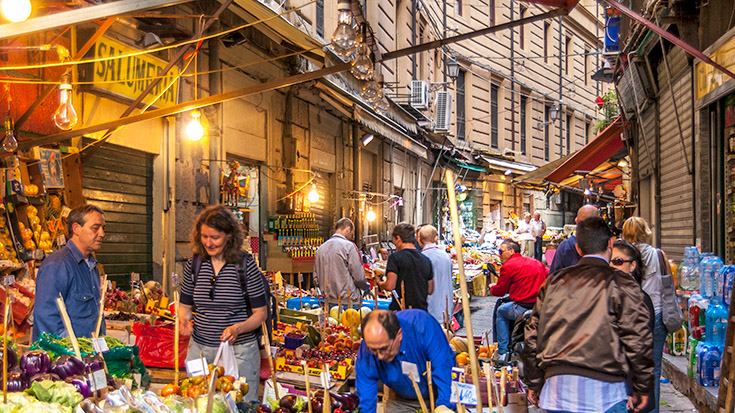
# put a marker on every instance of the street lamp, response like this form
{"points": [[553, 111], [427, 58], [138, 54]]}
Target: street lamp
{"points": [[453, 68], [554, 112]]}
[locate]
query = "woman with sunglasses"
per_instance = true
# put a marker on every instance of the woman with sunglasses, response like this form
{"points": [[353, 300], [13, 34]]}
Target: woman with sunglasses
{"points": [[224, 312], [637, 232], [627, 258]]}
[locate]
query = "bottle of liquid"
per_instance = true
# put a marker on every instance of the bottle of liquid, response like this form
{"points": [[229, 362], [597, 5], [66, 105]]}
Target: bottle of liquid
{"points": [[716, 324], [692, 357], [679, 342], [674, 272], [706, 279], [695, 308], [712, 357], [728, 277]]}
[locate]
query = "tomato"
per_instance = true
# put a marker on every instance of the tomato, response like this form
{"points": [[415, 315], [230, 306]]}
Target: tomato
{"points": [[170, 389], [195, 391]]}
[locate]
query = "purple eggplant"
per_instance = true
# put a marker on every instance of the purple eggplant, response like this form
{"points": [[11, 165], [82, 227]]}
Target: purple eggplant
{"points": [[350, 401], [12, 357], [94, 362], [67, 366], [81, 384], [44, 376], [17, 382], [34, 362]]}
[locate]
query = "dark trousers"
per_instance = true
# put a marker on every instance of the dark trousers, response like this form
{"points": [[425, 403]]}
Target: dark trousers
{"points": [[537, 248]]}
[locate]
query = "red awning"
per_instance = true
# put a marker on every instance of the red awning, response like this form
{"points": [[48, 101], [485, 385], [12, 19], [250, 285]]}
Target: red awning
{"points": [[599, 150]]}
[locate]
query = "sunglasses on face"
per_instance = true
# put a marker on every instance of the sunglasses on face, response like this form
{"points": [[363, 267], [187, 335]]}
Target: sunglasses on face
{"points": [[619, 261], [211, 290]]}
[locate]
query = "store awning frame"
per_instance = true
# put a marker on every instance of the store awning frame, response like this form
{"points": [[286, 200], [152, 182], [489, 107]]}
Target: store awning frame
{"points": [[535, 179], [502, 165], [606, 144]]}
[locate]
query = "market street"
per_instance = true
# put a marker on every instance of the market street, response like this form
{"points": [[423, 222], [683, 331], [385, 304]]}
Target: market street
{"points": [[482, 321]]}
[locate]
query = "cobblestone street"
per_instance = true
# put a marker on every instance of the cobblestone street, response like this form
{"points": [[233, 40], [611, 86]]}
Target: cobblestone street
{"points": [[482, 321]]}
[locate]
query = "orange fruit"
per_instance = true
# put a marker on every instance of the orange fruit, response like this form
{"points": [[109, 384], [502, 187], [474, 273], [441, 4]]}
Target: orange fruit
{"points": [[463, 358], [483, 349], [482, 355]]}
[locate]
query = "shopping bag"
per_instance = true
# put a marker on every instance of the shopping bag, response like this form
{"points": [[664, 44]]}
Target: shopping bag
{"points": [[226, 358], [672, 315]]}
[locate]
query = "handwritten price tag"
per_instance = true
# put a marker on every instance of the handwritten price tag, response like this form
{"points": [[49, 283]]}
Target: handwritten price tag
{"points": [[100, 345], [465, 392], [197, 367], [97, 380]]}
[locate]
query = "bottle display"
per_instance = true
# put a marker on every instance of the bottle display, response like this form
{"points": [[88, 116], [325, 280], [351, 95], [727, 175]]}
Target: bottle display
{"points": [[679, 342], [728, 277], [689, 270], [298, 234], [716, 324], [709, 269], [697, 304]]}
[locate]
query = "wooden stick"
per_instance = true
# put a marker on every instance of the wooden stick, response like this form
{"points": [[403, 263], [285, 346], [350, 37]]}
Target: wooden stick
{"points": [[68, 326], [101, 315], [503, 378], [177, 334], [495, 389], [349, 305], [463, 285], [339, 308], [430, 384], [377, 289], [449, 316], [403, 296], [301, 294], [418, 393], [489, 381], [327, 402], [6, 315], [267, 345], [460, 406], [306, 379]]}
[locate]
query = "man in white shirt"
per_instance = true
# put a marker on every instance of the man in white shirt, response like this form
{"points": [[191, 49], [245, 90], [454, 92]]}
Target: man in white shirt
{"points": [[525, 237], [538, 228], [440, 301]]}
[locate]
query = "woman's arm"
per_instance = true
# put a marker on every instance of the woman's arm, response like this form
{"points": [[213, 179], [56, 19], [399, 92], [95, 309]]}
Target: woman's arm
{"points": [[185, 326], [259, 315]]}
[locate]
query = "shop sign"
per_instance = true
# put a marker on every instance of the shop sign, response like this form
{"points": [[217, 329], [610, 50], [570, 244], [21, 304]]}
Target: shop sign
{"points": [[130, 75], [708, 78]]}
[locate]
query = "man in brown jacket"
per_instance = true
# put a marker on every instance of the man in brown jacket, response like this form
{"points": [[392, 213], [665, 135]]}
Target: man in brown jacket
{"points": [[588, 332]]}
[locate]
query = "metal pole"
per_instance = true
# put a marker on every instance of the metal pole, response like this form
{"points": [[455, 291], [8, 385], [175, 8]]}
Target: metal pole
{"points": [[215, 139], [512, 81], [561, 95], [356, 180]]}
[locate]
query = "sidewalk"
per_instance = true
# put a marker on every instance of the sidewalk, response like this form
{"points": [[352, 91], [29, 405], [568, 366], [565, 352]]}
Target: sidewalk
{"points": [[482, 319]]}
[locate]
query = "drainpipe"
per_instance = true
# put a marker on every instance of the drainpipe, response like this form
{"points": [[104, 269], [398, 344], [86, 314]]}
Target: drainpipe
{"points": [[561, 96], [414, 11], [216, 138], [513, 84], [356, 181]]}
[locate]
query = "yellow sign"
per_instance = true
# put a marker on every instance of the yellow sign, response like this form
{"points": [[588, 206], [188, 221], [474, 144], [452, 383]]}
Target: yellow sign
{"points": [[129, 76], [707, 77]]}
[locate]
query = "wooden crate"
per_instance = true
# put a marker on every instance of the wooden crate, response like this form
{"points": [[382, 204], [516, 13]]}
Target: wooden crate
{"points": [[479, 285]]}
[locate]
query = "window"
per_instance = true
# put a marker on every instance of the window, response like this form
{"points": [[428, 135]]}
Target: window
{"points": [[460, 104], [320, 18], [522, 29], [568, 52], [458, 7], [547, 30], [491, 12], [494, 116], [523, 125], [569, 134], [586, 66], [422, 56], [546, 132], [587, 133]]}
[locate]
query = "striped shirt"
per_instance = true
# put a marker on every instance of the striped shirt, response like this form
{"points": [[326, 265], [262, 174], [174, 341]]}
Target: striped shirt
{"points": [[580, 394], [212, 317]]}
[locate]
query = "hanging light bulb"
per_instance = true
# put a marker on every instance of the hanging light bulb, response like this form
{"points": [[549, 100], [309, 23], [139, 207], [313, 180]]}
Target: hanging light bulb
{"points": [[65, 117], [10, 144], [372, 89], [370, 216], [16, 10], [362, 66], [194, 129], [313, 195], [344, 36], [382, 105]]}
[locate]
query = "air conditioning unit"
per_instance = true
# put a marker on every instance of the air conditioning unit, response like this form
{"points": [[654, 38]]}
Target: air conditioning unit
{"points": [[419, 94], [443, 111]]}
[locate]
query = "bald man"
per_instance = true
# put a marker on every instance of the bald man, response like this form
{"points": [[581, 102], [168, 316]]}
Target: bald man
{"points": [[440, 302], [567, 255], [391, 340]]}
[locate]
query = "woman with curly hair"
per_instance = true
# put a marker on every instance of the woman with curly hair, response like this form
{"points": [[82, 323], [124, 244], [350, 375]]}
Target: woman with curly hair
{"points": [[224, 312]]}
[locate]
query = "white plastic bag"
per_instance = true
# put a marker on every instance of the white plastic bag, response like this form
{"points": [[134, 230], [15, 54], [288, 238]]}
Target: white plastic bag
{"points": [[226, 358]]}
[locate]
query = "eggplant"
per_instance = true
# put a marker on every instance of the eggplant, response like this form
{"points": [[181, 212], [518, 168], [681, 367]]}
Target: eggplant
{"points": [[94, 362], [34, 362], [287, 401], [82, 385], [17, 382], [67, 366], [44, 376], [12, 357], [350, 401]]}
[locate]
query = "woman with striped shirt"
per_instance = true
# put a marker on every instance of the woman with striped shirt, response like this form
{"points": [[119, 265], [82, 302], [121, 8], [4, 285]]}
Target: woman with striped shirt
{"points": [[222, 310]]}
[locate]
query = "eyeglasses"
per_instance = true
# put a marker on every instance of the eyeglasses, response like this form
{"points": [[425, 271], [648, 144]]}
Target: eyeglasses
{"points": [[383, 350], [211, 290], [619, 261]]}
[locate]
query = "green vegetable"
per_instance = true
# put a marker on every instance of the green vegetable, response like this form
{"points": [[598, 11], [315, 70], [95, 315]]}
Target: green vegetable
{"points": [[55, 392], [112, 342], [219, 405], [41, 407], [178, 404]]}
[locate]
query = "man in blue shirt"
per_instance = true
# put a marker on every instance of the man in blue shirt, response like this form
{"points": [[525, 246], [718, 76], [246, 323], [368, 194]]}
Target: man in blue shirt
{"points": [[440, 301], [72, 272], [390, 339], [567, 255]]}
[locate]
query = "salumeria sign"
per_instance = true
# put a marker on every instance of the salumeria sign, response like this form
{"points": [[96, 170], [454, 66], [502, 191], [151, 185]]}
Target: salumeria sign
{"points": [[129, 76]]}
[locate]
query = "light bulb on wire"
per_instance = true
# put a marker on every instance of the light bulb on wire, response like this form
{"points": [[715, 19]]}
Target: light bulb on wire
{"points": [[16, 10], [372, 89], [194, 129], [382, 106], [362, 66], [370, 216], [65, 117], [10, 144], [344, 37], [313, 195]]}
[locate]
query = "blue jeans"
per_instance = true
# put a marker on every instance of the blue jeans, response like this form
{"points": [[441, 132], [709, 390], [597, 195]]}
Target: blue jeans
{"points": [[619, 407], [659, 341], [507, 313], [538, 248]]}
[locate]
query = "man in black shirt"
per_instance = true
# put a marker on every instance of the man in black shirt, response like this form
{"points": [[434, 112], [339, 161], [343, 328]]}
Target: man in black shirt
{"points": [[407, 270]]}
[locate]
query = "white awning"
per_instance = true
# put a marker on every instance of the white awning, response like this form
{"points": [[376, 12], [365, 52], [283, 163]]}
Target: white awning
{"points": [[503, 165], [383, 129]]}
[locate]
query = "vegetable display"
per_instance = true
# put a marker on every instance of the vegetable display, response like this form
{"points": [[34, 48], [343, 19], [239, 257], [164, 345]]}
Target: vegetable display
{"points": [[55, 392], [34, 362], [17, 382], [67, 366], [81, 383]]}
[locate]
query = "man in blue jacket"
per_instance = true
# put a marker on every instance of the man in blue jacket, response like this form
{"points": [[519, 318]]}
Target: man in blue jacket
{"points": [[393, 339], [567, 255]]}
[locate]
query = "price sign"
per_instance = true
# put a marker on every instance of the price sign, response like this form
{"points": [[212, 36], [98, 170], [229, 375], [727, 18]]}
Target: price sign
{"points": [[274, 351], [65, 211], [301, 278], [322, 318], [134, 277], [137, 377], [109, 285], [230, 402], [395, 295], [97, 380], [318, 291], [325, 378], [410, 369], [197, 367], [174, 279], [60, 240], [10, 279], [100, 345], [464, 392]]}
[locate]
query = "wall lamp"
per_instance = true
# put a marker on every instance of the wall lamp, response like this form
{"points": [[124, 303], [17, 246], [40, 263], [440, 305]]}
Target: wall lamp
{"points": [[367, 139], [553, 115]]}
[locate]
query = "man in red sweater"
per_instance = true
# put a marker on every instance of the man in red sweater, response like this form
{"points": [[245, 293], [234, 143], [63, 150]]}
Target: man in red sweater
{"points": [[520, 277]]}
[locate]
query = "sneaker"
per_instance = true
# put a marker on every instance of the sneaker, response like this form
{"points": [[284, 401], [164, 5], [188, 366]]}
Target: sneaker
{"points": [[265, 369]]}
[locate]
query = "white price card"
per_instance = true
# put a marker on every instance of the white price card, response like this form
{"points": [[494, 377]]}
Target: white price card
{"points": [[134, 277], [326, 379], [274, 351], [197, 367], [137, 378], [109, 285], [65, 211], [230, 402], [174, 279], [464, 392], [100, 345], [60, 240], [410, 369], [318, 291], [395, 295], [322, 318], [97, 380], [10, 279]]}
